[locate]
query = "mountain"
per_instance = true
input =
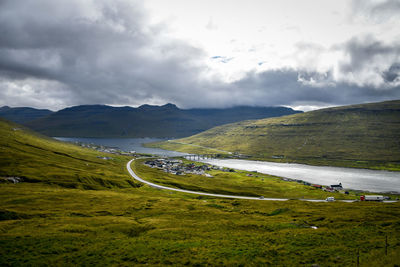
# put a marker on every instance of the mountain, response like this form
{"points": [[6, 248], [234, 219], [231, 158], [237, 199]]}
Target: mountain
{"points": [[23, 114], [145, 121], [366, 135]]}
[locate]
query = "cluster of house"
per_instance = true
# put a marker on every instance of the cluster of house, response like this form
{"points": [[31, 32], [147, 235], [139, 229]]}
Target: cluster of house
{"points": [[177, 167], [331, 188], [105, 149]]}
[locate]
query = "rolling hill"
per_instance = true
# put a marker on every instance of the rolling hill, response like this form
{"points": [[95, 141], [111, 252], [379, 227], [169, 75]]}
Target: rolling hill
{"points": [[144, 121], [36, 158], [366, 135]]}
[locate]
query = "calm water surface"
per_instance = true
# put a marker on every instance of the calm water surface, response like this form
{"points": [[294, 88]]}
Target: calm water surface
{"points": [[126, 144], [360, 179]]}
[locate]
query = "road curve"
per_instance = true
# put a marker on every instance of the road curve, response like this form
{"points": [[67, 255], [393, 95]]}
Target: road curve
{"points": [[134, 175]]}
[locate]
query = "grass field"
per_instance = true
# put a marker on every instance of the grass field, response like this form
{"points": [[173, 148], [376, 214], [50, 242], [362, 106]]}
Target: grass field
{"points": [[55, 218], [51, 225], [361, 136]]}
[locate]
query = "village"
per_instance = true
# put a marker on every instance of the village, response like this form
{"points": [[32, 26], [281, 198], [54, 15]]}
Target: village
{"points": [[105, 149], [177, 167]]}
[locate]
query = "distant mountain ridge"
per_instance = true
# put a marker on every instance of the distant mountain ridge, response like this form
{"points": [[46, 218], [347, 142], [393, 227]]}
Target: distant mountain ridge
{"points": [[167, 121], [23, 114]]}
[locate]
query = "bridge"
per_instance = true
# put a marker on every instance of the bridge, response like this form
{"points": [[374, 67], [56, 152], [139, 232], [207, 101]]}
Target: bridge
{"points": [[199, 157]]}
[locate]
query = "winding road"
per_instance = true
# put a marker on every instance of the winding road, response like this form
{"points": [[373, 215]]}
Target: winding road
{"points": [[136, 177]]}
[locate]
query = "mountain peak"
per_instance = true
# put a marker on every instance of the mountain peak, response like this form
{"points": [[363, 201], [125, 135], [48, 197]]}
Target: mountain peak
{"points": [[5, 108], [168, 106]]}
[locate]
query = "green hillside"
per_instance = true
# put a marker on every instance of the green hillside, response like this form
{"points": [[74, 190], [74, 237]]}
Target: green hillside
{"points": [[366, 135], [36, 158], [75, 209]]}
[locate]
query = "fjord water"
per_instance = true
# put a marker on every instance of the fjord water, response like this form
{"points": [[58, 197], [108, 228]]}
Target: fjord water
{"points": [[125, 144], [359, 179], [351, 178]]}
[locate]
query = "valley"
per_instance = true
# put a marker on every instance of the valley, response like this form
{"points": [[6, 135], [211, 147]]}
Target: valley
{"points": [[72, 204]]}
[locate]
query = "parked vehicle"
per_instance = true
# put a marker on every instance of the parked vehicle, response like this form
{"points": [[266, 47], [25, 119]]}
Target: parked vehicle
{"points": [[330, 199], [372, 198]]}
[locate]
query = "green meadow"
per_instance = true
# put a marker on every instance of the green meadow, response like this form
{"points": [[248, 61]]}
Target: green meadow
{"points": [[43, 224], [74, 208]]}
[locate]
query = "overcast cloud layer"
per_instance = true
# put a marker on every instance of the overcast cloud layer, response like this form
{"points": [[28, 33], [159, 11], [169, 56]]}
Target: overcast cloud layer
{"points": [[55, 54]]}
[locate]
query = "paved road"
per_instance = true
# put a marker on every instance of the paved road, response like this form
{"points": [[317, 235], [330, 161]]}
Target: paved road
{"points": [[134, 175]]}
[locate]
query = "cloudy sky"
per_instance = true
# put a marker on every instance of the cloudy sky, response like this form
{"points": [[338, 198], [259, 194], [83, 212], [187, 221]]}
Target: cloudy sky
{"points": [[211, 53]]}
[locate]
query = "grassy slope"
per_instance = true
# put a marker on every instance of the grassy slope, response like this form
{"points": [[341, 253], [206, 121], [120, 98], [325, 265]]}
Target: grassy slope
{"points": [[365, 135], [48, 223], [40, 159]]}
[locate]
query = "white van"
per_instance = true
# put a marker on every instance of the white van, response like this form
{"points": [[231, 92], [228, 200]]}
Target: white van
{"points": [[330, 199]]}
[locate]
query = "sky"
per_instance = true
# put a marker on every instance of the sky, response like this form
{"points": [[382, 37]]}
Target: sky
{"points": [[304, 54]]}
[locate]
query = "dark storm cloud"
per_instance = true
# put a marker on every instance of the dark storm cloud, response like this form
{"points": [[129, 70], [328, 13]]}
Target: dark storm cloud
{"points": [[59, 53], [388, 7], [393, 73], [367, 50], [103, 51], [293, 87], [368, 54]]}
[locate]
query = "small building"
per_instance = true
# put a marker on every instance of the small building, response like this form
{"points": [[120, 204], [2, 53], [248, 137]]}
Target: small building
{"points": [[337, 186]]}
